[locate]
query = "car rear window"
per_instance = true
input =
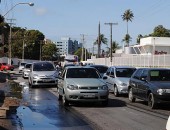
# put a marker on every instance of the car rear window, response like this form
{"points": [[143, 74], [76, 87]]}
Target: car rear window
{"points": [[160, 75]]}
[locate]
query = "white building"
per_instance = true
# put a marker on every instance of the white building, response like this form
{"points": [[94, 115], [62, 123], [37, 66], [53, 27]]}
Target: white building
{"points": [[149, 45]]}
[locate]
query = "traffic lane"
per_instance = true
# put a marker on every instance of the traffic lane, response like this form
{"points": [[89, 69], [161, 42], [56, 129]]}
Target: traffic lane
{"points": [[119, 116], [43, 111]]}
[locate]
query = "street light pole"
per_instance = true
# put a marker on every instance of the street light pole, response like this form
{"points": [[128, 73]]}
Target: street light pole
{"points": [[30, 4], [10, 35]]}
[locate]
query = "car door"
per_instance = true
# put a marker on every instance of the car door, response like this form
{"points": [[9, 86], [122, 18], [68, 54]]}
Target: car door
{"points": [[134, 81], [143, 84], [107, 80]]}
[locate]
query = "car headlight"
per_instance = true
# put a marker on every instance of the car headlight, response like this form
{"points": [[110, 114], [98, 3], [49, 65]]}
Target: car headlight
{"points": [[162, 91], [104, 87], [123, 84], [55, 75], [35, 76], [72, 87]]}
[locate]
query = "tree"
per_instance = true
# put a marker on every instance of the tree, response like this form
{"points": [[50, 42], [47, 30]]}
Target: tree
{"points": [[102, 39], [127, 39], [138, 38], [160, 31], [115, 46], [79, 53], [127, 16], [49, 51]]}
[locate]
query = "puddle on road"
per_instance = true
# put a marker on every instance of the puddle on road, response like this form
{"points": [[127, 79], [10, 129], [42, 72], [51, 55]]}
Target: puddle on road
{"points": [[26, 118], [32, 120]]}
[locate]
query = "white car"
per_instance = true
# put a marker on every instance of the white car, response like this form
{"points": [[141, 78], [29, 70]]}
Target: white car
{"points": [[117, 78], [82, 84], [43, 73], [26, 70], [21, 66]]}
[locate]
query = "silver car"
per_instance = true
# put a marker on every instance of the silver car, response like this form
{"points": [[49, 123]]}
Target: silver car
{"points": [[26, 70], [43, 73], [84, 84], [117, 78]]}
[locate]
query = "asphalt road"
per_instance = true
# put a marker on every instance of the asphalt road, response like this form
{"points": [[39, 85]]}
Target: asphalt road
{"points": [[41, 111]]}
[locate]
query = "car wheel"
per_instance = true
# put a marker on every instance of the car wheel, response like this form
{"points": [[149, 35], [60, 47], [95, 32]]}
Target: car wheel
{"points": [[151, 101], [130, 96], [116, 93], [65, 101]]}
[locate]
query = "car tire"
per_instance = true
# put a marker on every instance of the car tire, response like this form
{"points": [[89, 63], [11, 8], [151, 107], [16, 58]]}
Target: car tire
{"points": [[116, 93], [65, 101], [151, 101], [131, 96]]}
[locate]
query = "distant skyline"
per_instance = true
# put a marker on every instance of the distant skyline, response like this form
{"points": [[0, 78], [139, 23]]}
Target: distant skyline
{"points": [[60, 18]]}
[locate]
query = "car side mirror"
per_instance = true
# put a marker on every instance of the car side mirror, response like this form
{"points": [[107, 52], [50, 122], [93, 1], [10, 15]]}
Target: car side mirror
{"points": [[143, 79]]}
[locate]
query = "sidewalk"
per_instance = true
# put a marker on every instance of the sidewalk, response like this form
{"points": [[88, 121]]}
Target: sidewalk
{"points": [[8, 104]]}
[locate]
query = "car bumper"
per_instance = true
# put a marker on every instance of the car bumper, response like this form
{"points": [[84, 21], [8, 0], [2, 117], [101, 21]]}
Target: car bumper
{"points": [[45, 82], [87, 96], [123, 89], [25, 74], [162, 98]]}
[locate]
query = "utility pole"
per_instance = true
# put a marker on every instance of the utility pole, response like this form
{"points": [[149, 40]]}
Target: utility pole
{"points": [[99, 41], [111, 24], [9, 43], [83, 48]]}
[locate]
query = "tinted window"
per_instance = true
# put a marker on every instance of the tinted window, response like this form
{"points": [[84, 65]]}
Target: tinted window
{"points": [[124, 72], [43, 67], [160, 75], [137, 74], [27, 65], [82, 73], [22, 64], [101, 69]]}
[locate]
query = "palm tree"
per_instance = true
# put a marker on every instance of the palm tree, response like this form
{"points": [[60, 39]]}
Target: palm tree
{"points": [[127, 16], [102, 40], [127, 39], [115, 46]]}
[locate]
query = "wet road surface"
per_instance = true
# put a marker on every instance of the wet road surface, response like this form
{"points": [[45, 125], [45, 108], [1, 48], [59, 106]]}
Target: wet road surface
{"points": [[42, 111]]}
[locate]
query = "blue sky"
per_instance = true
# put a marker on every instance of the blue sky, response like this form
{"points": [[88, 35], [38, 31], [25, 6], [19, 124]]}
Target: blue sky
{"points": [[59, 18]]}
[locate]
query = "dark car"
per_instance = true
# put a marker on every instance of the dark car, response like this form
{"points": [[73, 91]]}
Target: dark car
{"points": [[101, 68], [151, 85]]}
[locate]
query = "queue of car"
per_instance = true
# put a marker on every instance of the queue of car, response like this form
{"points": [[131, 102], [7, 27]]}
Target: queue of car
{"points": [[93, 82]]}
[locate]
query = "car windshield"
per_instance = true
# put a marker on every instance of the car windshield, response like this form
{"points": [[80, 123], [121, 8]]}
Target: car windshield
{"points": [[27, 65], [160, 75], [43, 67], [124, 72], [82, 73], [22, 64], [101, 69]]}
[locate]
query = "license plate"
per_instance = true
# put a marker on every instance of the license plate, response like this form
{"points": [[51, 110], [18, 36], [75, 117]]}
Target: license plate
{"points": [[46, 80], [90, 95]]}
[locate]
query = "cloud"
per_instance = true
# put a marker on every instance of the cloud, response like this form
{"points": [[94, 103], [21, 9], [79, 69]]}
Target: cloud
{"points": [[41, 11]]}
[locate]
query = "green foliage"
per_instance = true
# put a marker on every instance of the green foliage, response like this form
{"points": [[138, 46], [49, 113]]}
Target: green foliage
{"points": [[102, 39], [49, 51], [160, 31], [115, 46], [127, 39]]}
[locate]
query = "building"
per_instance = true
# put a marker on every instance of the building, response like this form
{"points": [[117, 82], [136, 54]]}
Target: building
{"points": [[67, 46], [149, 45]]}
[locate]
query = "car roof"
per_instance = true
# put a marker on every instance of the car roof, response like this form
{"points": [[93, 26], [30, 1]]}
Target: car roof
{"points": [[122, 67], [98, 65], [155, 68]]}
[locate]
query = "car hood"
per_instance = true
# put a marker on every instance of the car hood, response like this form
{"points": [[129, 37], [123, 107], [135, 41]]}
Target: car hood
{"points": [[163, 84], [85, 82], [44, 73], [122, 79]]}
